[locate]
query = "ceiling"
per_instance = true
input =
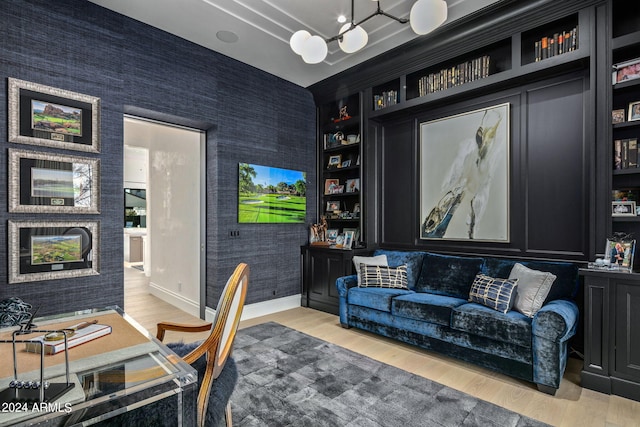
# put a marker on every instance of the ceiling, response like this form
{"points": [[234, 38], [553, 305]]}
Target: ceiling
{"points": [[257, 32]]}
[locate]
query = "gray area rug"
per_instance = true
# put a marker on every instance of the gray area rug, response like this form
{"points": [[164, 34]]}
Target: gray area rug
{"points": [[288, 378]]}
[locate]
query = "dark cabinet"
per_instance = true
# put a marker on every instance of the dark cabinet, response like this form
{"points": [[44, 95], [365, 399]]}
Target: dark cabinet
{"points": [[612, 333], [321, 266]]}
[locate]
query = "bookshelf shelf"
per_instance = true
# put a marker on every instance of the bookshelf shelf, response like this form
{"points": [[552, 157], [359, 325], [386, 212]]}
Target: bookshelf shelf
{"points": [[625, 44]]}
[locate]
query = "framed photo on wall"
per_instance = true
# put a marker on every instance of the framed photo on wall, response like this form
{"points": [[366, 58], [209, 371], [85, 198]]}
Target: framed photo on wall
{"points": [[464, 176], [44, 250], [47, 116], [49, 183]]}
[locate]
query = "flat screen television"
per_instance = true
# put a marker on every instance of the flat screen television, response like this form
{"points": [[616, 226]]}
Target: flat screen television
{"points": [[271, 195]]}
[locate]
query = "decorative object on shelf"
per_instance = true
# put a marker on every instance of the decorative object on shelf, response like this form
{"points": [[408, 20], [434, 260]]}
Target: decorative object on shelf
{"points": [[634, 111], [271, 195], [464, 171], [47, 116], [556, 44], [623, 208], [425, 16], [625, 71], [49, 183], [335, 161], [620, 252], [351, 139], [44, 250], [617, 116], [319, 232], [343, 115], [345, 163], [13, 311]]}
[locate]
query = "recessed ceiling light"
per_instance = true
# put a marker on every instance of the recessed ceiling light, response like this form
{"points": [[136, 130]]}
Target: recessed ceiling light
{"points": [[227, 36], [342, 19]]}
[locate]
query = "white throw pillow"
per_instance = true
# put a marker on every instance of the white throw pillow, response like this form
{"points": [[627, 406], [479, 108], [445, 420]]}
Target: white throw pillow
{"points": [[368, 260], [533, 288]]}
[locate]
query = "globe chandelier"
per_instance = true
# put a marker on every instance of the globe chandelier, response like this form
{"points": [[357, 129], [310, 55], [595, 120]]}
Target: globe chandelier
{"points": [[425, 16]]}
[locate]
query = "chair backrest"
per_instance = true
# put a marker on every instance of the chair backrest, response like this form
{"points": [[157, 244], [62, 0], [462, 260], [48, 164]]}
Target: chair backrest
{"points": [[218, 345]]}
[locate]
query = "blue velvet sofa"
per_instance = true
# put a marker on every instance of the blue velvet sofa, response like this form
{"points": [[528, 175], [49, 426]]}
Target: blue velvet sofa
{"points": [[435, 313]]}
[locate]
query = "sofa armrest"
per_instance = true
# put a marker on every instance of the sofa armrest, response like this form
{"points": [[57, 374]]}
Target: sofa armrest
{"points": [[345, 283], [556, 321]]}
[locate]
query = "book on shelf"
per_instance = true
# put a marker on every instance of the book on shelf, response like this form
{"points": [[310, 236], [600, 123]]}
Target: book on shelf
{"points": [[77, 334], [457, 75], [385, 99], [625, 153], [556, 44]]}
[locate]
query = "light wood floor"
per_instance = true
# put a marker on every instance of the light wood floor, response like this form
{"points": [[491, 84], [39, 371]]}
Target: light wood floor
{"points": [[572, 405]]}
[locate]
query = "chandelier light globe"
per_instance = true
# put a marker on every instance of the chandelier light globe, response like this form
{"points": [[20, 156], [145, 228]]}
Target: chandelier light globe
{"points": [[354, 39], [427, 15], [297, 41], [314, 50]]}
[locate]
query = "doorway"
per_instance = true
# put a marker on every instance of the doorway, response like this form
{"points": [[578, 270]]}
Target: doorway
{"points": [[164, 210]]}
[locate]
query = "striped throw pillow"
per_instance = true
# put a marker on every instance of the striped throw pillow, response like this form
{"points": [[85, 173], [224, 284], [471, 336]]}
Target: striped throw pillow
{"points": [[497, 294], [378, 276]]}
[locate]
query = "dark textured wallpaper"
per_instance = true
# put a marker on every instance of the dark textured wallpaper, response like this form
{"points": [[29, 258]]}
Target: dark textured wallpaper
{"points": [[248, 115]]}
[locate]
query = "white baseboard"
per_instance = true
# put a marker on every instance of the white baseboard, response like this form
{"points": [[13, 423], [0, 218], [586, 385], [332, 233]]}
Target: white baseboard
{"points": [[263, 308], [175, 299]]}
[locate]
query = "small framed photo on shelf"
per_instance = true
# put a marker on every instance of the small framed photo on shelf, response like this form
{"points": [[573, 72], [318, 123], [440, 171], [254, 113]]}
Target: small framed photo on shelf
{"points": [[333, 205], [620, 253], [624, 71], [634, 111], [623, 208], [617, 116], [335, 161], [353, 185], [348, 239], [332, 235], [330, 185], [346, 164], [356, 233]]}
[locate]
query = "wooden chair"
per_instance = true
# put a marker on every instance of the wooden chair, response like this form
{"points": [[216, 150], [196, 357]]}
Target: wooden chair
{"points": [[217, 347]]}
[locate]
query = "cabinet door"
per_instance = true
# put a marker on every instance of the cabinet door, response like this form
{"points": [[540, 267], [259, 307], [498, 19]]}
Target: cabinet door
{"points": [[627, 307], [324, 268], [596, 335]]}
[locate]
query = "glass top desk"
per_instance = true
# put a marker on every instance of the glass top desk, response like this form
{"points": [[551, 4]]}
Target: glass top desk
{"points": [[122, 378]]}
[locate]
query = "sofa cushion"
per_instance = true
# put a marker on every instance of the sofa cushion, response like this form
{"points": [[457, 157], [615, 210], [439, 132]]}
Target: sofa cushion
{"points": [[448, 275], [533, 288], [565, 286], [381, 276], [412, 259], [376, 298], [424, 306], [497, 294], [368, 260], [511, 327]]}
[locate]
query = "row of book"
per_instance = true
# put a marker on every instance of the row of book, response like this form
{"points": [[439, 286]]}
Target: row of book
{"points": [[385, 100], [556, 44], [446, 78], [625, 153]]}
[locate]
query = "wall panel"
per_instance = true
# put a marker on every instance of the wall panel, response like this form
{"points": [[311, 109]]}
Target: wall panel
{"points": [[248, 115]]}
